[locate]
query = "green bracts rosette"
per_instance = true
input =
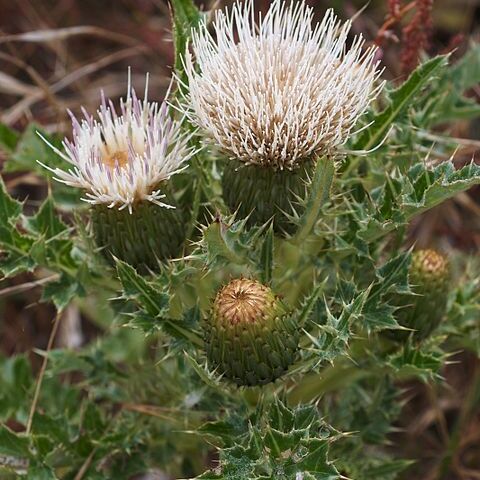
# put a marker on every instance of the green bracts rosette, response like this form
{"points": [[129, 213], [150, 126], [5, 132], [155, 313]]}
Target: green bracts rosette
{"points": [[262, 193], [143, 238]]}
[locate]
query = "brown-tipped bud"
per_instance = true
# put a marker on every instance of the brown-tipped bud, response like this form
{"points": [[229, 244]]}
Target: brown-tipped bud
{"points": [[250, 337], [429, 277]]}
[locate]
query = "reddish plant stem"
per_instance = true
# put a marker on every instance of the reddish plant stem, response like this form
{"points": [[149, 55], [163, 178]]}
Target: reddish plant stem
{"points": [[392, 20], [416, 35]]}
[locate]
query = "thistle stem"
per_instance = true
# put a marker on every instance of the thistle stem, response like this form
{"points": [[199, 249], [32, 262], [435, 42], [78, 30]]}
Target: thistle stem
{"points": [[332, 378]]}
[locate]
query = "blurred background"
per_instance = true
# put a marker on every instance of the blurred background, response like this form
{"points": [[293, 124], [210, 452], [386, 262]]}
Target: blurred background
{"points": [[58, 54]]}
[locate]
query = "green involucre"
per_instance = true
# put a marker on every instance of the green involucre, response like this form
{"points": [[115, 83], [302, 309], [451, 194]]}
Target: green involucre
{"points": [[143, 238], [250, 337], [262, 193]]}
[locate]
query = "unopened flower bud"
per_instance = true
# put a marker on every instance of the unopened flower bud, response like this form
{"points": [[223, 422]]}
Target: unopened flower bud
{"points": [[144, 237], [429, 276], [251, 337], [262, 194]]}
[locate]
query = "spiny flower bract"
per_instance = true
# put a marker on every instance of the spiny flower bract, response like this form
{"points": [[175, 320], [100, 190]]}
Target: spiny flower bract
{"points": [[281, 91], [120, 159]]}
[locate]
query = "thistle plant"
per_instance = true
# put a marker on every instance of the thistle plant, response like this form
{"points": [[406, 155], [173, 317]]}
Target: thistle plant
{"points": [[275, 98], [257, 230], [123, 162]]}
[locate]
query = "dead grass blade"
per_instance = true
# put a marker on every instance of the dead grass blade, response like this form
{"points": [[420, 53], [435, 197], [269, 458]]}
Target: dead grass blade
{"points": [[15, 112], [49, 35], [12, 86]]}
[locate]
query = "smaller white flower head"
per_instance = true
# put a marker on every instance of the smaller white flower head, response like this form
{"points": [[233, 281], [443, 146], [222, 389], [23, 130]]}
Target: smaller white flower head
{"points": [[281, 90], [120, 159]]}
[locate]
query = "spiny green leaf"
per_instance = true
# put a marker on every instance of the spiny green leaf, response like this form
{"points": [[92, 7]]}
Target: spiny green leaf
{"points": [[227, 242], [447, 100], [185, 17], [136, 288], [40, 472], [423, 188], [10, 209], [144, 322], [280, 416], [177, 329], [207, 377], [17, 381], [277, 442], [399, 100], [316, 462], [46, 222], [378, 316], [308, 304], [13, 444], [392, 276], [387, 469], [52, 427], [63, 291], [331, 339], [8, 138], [14, 245], [432, 187], [221, 430], [317, 198], [30, 149], [412, 360]]}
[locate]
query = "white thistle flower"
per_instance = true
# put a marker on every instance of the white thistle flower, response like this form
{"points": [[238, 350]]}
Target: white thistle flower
{"points": [[120, 159], [282, 91]]}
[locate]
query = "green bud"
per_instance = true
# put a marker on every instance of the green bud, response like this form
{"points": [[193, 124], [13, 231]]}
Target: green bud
{"points": [[429, 276], [143, 238], [250, 337], [262, 193]]}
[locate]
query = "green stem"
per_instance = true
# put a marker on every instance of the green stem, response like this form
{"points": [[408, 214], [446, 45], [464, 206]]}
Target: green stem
{"points": [[319, 194], [345, 371], [195, 209], [330, 379]]}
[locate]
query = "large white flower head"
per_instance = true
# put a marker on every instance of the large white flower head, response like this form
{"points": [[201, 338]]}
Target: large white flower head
{"points": [[122, 158], [281, 90]]}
